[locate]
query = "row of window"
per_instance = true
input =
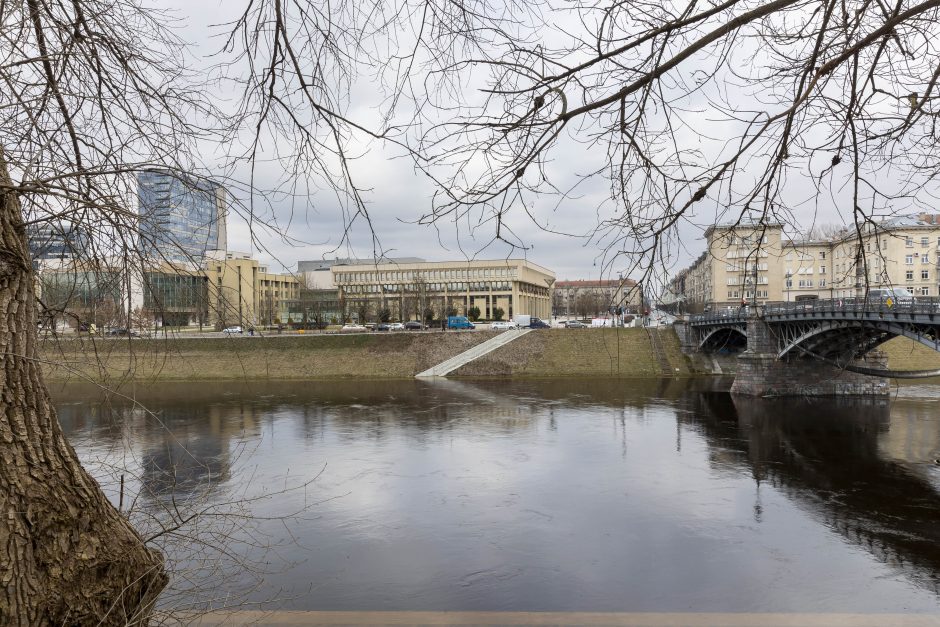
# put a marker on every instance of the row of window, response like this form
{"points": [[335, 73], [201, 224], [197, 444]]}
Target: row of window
{"points": [[425, 275], [732, 294], [805, 283], [761, 280], [924, 275]]}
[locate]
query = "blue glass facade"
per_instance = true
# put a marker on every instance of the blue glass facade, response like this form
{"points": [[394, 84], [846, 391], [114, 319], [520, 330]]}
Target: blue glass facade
{"points": [[180, 218]]}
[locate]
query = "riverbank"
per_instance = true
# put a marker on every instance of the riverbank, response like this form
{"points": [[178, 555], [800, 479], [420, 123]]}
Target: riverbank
{"points": [[628, 353], [546, 353]]}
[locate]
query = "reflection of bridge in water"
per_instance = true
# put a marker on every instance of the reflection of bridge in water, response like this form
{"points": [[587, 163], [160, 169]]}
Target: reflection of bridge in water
{"points": [[817, 347], [831, 458]]}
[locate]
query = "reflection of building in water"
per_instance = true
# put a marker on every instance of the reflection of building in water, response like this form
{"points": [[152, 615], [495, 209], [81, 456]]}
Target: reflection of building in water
{"points": [[827, 455], [913, 438], [185, 448]]}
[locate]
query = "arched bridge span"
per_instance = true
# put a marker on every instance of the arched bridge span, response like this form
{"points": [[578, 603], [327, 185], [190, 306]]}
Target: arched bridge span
{"points": [[836, 329]]}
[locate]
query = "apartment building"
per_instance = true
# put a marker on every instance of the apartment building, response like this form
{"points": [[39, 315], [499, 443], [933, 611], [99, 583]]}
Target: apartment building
{"points": [[410, 290], [759, 264]]}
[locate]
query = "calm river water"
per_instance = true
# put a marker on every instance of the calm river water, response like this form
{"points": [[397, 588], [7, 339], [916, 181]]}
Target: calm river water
{"points": [[537, 495]]}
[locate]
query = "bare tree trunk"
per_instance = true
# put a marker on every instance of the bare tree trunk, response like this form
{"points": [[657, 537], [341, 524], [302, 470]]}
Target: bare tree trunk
{"points": [[67, 556]]}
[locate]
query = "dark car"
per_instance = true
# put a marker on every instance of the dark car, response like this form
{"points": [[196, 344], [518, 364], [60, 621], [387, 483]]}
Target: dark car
{"points": [[123, 332], [414, 325], [575, 324], [535, 323], [382, 326]]}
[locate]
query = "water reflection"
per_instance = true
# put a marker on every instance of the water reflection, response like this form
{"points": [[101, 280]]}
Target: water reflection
{"points": [[559, 495]]}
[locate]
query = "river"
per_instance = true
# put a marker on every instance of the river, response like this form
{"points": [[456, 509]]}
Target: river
{"points": [[573, 495]]}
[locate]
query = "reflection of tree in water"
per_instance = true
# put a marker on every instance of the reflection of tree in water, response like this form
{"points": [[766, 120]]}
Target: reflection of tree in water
{"points": [[825, 455]]}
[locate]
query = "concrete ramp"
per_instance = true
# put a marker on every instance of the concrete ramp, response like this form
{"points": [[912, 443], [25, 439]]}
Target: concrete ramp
{"points": [[442, 369]]}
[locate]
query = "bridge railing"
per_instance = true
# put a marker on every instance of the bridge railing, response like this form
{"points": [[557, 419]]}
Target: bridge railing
{"points": [[923, 304], [918, 305]]}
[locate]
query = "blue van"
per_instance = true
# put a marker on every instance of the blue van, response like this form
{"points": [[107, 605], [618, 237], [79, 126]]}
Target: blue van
{"points": [[459, 322]]}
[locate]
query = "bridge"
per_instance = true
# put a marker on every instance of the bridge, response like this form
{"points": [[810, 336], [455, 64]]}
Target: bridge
{"points": [[817, 347]]}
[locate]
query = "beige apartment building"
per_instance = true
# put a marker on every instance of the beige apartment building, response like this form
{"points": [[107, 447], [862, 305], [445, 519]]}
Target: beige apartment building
{"points": [[410, 290], [759, 264]]}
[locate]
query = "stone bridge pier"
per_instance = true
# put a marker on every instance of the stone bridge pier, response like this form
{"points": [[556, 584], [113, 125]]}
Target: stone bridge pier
{"points": [[762, 372]]}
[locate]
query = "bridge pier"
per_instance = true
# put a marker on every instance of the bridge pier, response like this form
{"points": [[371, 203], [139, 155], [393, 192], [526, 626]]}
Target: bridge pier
{"points": [[761, 373], [687, 337]]}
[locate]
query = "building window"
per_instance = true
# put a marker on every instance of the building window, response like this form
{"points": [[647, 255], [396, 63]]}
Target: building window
{"points": [[822, 255], [822, 269], [909, 242], [909, 275], [925, 258], [909, 260], [822, 282], [789, 282], [924, 242], [925, 274], [925, 291]]}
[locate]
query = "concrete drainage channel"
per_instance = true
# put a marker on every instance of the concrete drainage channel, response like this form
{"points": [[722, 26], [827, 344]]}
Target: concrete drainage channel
{"points": [[445, 367]]}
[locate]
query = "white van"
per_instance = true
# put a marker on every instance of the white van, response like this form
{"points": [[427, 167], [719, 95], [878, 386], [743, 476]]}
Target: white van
{"points": [[890, 296]]}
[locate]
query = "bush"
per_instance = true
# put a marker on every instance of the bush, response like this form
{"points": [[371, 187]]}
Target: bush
{"points": [[498, 314], [474, 314], [385, 314]]}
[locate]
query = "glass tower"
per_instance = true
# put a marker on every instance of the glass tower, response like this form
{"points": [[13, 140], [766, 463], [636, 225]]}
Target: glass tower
{"points": [[181, 218]]}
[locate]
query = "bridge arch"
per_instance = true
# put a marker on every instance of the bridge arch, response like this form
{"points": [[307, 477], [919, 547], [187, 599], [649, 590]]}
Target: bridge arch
{"points": [[730, 336], [838, 337]]}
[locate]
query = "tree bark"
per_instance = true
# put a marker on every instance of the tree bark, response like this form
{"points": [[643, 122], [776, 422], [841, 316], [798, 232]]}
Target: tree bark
{"points": [[67, 556]]}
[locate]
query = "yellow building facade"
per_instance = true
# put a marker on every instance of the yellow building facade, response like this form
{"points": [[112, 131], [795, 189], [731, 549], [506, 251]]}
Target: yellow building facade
{"points": [[759, 264], [410, 290]]}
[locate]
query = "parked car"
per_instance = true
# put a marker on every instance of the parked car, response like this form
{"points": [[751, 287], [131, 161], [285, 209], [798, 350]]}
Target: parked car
{"points": [[123, 332], [232, 330], [396, 326], [575, 324], [535, 323], [414, 325], [502, 326], [353, 328], [383, 326]]}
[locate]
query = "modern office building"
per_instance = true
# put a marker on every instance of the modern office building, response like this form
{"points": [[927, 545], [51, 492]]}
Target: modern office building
{"points": [[55, 241], [415, 290], [230, 289], [181, 217], [317, 273], [756, 264], [243, 292]]}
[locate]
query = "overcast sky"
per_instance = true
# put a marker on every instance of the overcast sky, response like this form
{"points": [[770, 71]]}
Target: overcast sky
{"points": [[557, 236]]}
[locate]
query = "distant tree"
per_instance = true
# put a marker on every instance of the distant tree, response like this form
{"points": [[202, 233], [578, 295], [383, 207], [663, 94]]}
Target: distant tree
{"points": [[385, 314], [452, 311], [428, 315], [363, 310], [473, 313], [498, 314]]}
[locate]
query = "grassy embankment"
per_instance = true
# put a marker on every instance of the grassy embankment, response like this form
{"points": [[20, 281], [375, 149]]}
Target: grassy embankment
{"points": [[581, 352], [547, 353], [588, 352]]}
